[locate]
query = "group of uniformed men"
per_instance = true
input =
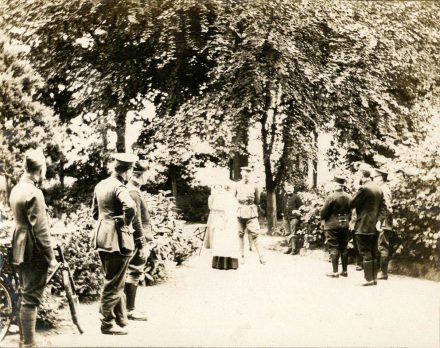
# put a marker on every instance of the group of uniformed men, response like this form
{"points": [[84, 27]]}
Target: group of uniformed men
{"points": [[121, 237], [124, 228], [372, 225]]}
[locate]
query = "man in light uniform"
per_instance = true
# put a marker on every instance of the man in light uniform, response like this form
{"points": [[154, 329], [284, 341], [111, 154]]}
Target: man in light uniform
{"points": [[32, 251], [114, 210], [248, 202]]}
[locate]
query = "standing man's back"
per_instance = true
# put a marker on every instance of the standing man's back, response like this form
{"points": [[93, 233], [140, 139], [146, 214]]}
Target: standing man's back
{"points": [[368, 202], [336, 214], [32, 251], [114, 209]]}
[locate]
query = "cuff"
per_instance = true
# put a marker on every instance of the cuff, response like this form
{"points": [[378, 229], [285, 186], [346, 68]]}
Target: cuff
{"points": [[140, 242], [48, 254]]}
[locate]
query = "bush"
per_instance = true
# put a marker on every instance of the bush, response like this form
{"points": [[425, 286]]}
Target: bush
{"points": [[309, 229], [416, 202], [172, 244], [83, 260], [193, 203]]}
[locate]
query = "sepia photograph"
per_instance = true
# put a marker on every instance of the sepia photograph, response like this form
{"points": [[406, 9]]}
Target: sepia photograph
{"points": [[219, 173]]}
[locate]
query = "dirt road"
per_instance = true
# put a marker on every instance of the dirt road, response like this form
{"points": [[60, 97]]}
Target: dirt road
{"points": [[288, 302]]}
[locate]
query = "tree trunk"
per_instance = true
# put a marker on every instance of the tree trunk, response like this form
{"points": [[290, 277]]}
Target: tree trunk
{"points": [[235, 164], [173, 180], [271, 214], [315, 160], [236, 167], [120, 131], [8, 189], [61, 173]]}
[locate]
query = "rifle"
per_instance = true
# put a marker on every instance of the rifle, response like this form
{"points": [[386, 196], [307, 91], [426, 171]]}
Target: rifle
{"points": [[68, 285]]}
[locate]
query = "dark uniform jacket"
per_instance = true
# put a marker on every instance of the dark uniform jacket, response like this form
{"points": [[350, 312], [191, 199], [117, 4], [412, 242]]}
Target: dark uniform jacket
{"points": [[111, 198], [336, 208], [291, 202], [141, 222], [368, 203], [31, 234]]}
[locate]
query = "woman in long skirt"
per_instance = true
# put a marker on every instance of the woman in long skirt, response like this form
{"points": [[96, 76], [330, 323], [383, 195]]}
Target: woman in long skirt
{"points": [[226, 245], [216, 216]]}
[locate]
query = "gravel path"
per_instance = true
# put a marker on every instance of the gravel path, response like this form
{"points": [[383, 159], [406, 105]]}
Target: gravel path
{"points": [[288, 302]]}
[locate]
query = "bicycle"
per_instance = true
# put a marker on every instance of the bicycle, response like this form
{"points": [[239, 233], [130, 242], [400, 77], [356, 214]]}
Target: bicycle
{"points": [[9, 286]]}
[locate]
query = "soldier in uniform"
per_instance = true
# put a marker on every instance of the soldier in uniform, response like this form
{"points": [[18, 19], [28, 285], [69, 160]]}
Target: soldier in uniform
{"points": [[291, 203], [31, 243], [368, 204], [385, 224], [247, 213], [142, 234], [114, 209], [336, 216]]}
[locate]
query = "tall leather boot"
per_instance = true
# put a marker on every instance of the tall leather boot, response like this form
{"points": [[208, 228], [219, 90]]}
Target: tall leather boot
{"points": [[344, 261], [259, 252], [375, 270], [294, 244], [383, 274], [335, 261], [130, 291], [20, 329], [28, 319], [369, 273]]}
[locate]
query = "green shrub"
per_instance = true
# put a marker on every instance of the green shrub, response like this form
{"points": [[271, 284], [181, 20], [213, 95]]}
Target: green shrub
{"points": [[172, 244], [192, 202], [83, 260], [309, 229], [416, 200]]}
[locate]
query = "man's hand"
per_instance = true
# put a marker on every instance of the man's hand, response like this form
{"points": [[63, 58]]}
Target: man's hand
{"points": [[53, 266], [378, 226], [144, 252]]}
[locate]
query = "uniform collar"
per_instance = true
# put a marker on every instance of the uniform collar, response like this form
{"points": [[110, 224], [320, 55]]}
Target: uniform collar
{"points": [[135, 183], [120, 178]]}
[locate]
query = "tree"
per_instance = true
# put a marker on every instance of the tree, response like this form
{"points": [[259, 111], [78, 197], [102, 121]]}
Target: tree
{"points": [[296, 69], [24, 122]]}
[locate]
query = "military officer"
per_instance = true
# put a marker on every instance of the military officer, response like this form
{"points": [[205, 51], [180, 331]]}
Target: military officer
{"points": [[291, 216], [142, 234], [31, 243], [247, 213], [368, 204], [336, 216], [114, 209], [385, 224]]}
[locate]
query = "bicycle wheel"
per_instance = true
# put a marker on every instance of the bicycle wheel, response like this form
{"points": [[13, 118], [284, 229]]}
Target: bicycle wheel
{"points": [[71, 298], [5, 310]]}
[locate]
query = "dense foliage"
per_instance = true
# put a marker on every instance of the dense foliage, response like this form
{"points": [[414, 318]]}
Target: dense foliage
{"points": [[24, 122], [366, 72], [417, 198], [310, 226], [173, 243]]}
